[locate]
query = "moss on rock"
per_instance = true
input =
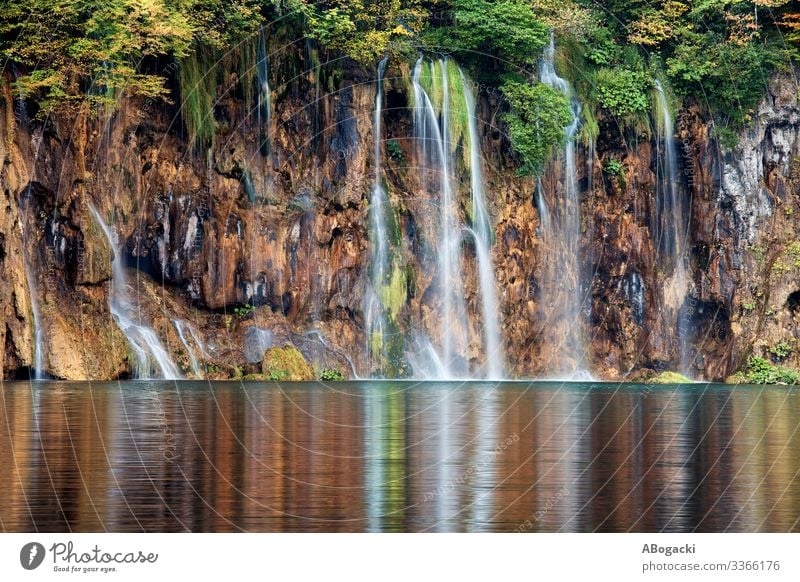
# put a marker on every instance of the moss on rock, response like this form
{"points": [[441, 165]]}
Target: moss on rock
{"points": [[286, 363], [667, 377]]}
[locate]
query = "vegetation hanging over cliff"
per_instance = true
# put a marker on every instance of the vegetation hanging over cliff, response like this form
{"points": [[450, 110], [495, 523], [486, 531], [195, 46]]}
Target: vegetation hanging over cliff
{"points": [[70, 50], [717, 52]]}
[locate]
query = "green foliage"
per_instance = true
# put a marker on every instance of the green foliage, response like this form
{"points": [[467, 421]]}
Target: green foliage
{"points": [[622, 91], [589, 129], [243, 311], [717, 52], [365, 30], [95, 50], [760, 371], [504, 29], [780, 350], [198, 88], [395, 150], [566, 18], [613, 167], [727, 137], [600, 47], [536, 121], [730, 77], [331, 375], [793, 250], [276, 374]]}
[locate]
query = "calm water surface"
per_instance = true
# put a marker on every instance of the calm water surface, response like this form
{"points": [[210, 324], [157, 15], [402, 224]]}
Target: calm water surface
{"points": [[398, 456]]}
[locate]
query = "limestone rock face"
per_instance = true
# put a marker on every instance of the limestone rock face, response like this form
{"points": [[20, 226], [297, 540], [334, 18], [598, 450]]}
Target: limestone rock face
{"points": [[203, 233]]}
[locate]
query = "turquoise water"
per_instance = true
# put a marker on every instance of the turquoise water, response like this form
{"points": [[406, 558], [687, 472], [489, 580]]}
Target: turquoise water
{"points": [[398, 456]]}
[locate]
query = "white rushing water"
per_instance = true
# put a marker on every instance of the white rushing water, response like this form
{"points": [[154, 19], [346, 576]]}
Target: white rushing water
{"points": [[33, 293], [671, 224], [562, 234], [188, 336], [257, 340], [264, 105], [375, 317], [482, 233], [448, 99], [432, 137], [152, 360]]}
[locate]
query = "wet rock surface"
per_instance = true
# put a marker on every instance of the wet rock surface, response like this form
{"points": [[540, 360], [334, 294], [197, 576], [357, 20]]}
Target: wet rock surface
{"points": [[205, 233]]}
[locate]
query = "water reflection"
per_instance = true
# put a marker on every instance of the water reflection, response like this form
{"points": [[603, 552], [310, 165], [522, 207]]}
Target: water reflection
{"points": [[397, 456]]}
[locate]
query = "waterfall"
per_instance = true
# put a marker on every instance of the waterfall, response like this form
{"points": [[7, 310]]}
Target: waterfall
{"points": [[450, 288], [671, 223], [150, 353], [541, 207], [346, 357], [482, 233], [424, 359], [432, 136], [38, 351], [257, 340], [30, 276], [264, 105], [185, 331], [563, 235], [375, 317], [445, 116]]}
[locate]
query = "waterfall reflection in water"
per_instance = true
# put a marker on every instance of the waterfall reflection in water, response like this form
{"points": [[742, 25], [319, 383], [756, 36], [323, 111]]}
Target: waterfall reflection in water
{"points": [[397, 456]]}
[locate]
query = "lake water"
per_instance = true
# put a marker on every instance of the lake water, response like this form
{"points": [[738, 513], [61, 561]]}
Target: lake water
{"points": [[398, 456]]}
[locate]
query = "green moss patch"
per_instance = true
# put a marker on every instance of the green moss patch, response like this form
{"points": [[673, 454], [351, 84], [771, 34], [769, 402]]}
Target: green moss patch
{"points": [[669, 378], [286, 364]]}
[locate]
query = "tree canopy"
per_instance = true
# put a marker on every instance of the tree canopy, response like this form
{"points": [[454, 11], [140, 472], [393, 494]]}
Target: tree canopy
{"points": [[59, 53]]}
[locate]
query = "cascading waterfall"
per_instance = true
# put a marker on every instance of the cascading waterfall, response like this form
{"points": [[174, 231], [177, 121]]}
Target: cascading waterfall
{"points": [[256, 341], [448, 252], [482, 233], [671, 222], [38, 356], [264, 105], [188, 335], [38, 333], [432, 136], [541, 207], [320, 337], [375, 317], [38, 350], [150, 353], [563, 235]]}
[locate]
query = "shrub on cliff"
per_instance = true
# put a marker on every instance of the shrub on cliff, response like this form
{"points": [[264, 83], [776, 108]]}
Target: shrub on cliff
{"points": [[331, 375], [366, 30], [536, 121], [95, 49], [504, 30], [760, 371]]}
